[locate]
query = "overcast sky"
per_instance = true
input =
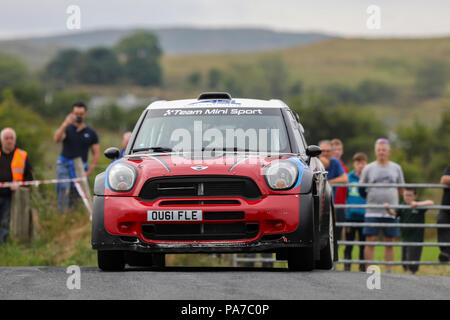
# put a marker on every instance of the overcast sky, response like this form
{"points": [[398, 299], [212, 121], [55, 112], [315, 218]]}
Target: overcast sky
{"points": [[411, 18]]}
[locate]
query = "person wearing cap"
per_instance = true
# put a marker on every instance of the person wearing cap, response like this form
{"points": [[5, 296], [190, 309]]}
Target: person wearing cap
{"points": [[14, 166], [382, 170], [77, 139]]}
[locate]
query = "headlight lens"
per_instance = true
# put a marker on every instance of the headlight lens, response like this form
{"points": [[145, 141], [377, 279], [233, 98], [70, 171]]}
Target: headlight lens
{"points": [[121, 177], [281, 175]]}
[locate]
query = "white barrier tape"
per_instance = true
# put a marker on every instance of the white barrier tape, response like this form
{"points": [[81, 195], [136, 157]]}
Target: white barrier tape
{"points": [[38, 182], [84, 198]]}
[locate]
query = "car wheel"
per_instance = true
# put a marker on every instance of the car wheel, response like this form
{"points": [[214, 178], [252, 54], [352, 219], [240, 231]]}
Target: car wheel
{"points": [[110, 260], [301, 259], [326, 261], [159, 260]]}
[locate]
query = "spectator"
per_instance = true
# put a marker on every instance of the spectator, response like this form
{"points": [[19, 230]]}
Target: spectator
{"points": [[77, 138], [444, 217], [355, 214], [337, 150], [14, 166], [413, 215], [125, 138], [336, 174], [381, 171]]}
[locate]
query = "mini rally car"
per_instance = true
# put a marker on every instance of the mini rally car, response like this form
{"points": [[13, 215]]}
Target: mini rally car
{"points": [[214, 175]]}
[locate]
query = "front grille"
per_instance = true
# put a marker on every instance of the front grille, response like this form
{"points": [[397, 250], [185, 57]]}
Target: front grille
{"points": [[224, 215], [196, 202], [186, 232], [199, 186]]}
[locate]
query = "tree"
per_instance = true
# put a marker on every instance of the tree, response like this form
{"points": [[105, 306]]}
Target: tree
{"points": [[276, 75], [12, 71], [64, 66], [140, 53], [31, 130], [99, 66], [431, 79], [371, 91], [356, 127], [215, 77], [194, 79]]}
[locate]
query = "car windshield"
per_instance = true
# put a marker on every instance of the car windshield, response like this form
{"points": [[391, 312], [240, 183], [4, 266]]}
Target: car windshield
{"points": [[214, 129]]}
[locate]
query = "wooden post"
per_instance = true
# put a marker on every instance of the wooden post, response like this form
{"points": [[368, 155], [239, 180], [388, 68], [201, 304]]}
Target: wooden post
{"points": [[20, 227], [79, 169]]}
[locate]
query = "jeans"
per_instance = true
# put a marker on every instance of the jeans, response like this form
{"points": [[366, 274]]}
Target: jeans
{"points": [[5, 213], [67, 194]]}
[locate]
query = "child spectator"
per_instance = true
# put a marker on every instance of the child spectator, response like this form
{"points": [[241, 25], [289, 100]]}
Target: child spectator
{"points": [[355, 214], [412, 215]]}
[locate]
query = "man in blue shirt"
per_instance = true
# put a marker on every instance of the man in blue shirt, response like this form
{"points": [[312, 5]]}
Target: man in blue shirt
{"points": [[336, 174], [77, 138]]}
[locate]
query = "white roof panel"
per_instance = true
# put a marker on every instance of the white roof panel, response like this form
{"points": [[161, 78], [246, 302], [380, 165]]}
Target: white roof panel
{"points": [[217, 103]]}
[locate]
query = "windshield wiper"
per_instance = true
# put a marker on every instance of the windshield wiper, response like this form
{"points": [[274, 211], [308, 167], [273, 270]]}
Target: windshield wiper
{"points": [[153, 149]]}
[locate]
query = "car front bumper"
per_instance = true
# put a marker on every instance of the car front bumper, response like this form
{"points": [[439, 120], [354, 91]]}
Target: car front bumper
{"points": [[283, 221]]}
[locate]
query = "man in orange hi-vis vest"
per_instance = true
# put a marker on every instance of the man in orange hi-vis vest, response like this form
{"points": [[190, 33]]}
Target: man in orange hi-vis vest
{"points": [[14, 166]]}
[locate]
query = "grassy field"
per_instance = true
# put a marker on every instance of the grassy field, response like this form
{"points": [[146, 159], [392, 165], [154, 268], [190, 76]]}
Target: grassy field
{"points": [[390, 60], [344, 62]]}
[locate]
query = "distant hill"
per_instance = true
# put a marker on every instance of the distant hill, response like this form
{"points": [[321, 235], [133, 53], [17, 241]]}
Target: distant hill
{"points": [[174, 41]]}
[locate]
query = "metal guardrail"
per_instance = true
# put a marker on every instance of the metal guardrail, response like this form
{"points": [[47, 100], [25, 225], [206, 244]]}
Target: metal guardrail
{"points": [[237, 259], [391, 185], [393, 244], [393, 263], [394, 206]]}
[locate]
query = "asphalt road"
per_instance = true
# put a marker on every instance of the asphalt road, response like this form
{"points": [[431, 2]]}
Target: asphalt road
{"points": [[213, 283]]}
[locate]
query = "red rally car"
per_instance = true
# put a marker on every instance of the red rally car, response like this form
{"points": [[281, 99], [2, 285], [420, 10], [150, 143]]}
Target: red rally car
{"points": [[214, 175]]}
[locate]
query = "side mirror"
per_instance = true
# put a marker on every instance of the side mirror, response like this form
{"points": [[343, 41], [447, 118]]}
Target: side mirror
{"points": [[313, 151], [112, 153]]}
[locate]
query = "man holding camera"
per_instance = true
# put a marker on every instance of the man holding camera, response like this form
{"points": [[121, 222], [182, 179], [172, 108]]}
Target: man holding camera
{"points": [[77, 139]]}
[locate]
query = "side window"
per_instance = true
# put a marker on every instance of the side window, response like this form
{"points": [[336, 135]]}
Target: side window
{"points": [[296, 127]]}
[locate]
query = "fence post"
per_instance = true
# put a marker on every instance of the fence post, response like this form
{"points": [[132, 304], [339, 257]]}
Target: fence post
{"points": [[21, 228], [79, 170]]}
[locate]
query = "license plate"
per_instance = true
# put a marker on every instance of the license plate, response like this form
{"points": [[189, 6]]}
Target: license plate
{"points": [[174, 215]]}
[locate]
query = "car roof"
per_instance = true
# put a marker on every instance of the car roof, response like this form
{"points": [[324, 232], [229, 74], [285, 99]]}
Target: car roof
{"points": [[217, 103]]}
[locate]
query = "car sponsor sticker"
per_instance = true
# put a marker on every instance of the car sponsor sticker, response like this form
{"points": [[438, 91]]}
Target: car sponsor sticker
{"points": [[174, 215], [213, 111]]}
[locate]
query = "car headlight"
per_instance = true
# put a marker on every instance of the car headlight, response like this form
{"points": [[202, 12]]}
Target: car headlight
{"points": [[121, 177], [281, 175]]}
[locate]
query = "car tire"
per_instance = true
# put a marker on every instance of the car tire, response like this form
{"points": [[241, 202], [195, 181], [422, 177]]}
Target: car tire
{"points": [[159, 260], [301, 259], [326, 261], [110, 260]]}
